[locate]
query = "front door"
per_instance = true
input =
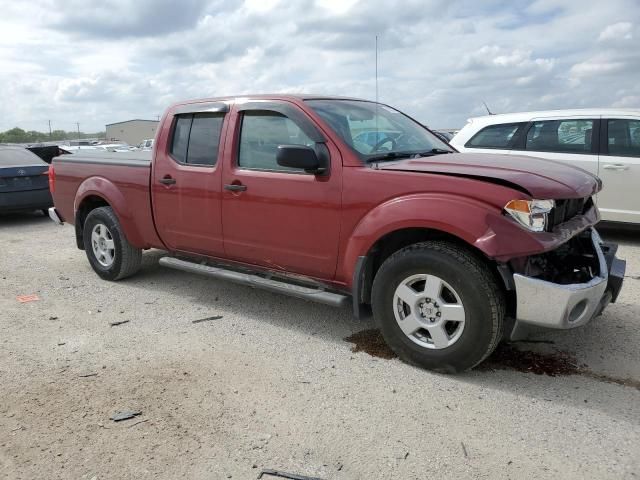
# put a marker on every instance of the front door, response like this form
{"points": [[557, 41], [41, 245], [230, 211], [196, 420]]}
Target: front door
{"points": [[619, 199], [274, 216], [186, 181]]}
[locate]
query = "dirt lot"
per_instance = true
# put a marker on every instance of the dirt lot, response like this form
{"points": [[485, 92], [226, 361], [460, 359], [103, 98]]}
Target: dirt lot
{"points": [[274, 384]]}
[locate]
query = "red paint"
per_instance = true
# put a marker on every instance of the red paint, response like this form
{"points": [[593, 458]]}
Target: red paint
{"points": [[318, 226]]}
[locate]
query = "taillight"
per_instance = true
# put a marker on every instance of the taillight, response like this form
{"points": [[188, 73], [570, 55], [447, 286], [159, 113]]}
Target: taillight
{"points": [[52, 179]]}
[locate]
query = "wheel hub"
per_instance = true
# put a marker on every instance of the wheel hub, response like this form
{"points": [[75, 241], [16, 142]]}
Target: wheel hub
{"points": [[103, 245], [429, 311]]}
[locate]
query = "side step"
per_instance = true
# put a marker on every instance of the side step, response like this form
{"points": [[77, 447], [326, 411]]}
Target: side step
{"points": [[278, 286]]}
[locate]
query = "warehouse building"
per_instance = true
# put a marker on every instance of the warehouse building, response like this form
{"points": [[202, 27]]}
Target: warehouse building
{"points": [[132, 131]]}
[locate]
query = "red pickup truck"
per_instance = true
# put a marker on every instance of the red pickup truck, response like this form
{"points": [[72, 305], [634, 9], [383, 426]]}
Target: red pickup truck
{"points": [[346, 201]]}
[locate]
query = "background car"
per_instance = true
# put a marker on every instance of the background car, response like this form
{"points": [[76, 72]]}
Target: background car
{"points": [[24, 182], [146, 145], [605, 142]]}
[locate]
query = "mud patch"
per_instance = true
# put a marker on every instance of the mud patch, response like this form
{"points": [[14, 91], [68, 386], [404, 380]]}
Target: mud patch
{"points": [[506, 357], [371, 342]]}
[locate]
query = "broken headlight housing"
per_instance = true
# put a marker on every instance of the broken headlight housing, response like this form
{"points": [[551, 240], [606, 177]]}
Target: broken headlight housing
{"points": [[531, 214]]}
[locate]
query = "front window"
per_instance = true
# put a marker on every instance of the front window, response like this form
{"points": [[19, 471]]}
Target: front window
{"points": [[565, 136], [624, 137], [377, 131], [261, 133]]}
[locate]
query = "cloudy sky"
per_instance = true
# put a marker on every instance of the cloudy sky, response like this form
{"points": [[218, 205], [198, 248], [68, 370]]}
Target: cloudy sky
{"points": [[68, 61]]}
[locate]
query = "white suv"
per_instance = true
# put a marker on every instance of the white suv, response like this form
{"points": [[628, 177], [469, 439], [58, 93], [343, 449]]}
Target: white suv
{"points": [[605, 142]]}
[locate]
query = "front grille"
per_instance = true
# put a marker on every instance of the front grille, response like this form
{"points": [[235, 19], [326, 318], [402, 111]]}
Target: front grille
{"points": [[567, 209]]}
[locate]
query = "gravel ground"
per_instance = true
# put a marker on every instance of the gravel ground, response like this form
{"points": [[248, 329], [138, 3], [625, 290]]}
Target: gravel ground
{"points": [[273, 384]]}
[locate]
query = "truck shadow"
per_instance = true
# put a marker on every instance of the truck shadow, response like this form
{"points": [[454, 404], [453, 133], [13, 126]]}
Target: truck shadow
{"points": [[556, 367]]}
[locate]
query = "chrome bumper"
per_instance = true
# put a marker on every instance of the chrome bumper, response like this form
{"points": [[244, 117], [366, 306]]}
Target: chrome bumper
{"points": [[552, 305], [53, 215]]}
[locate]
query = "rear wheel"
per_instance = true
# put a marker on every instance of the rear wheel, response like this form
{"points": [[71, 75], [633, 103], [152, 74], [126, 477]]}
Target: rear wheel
{"points": [[438, 306], [110, 254]]}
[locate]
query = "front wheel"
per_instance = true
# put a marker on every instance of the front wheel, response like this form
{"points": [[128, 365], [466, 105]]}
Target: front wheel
{"points": [[438, 306], [110, 254]]}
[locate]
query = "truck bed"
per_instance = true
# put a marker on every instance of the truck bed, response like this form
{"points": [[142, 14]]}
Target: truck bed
{"points": [[124, 177]]}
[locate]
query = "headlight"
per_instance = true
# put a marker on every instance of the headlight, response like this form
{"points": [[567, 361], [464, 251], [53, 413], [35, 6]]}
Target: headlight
{"points": [[531, 214]]}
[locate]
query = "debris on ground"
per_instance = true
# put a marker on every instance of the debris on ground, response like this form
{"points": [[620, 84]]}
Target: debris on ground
{"points": [[53, 318], [27, 298], [138, 422], [85, 375], [125, 415], [371, 342], [464, 450], [279, 474], [115, 324], [61, 343], [214, 317]]}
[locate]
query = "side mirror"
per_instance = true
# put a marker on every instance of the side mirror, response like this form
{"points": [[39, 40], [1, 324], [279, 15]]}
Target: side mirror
{"points": [[299, 156]]}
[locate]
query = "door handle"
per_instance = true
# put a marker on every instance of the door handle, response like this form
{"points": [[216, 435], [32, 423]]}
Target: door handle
{"points": [[167, 180], [234, 187], [616, 166]]}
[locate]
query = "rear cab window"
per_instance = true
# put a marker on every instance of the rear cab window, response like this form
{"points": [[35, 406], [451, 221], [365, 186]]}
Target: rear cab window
{"points": [[500, 136], [196, 138]]}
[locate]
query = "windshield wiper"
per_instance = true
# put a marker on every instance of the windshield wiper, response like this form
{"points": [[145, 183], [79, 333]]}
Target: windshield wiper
{"points": [[390, 156], [396, 155], [435, 151]]}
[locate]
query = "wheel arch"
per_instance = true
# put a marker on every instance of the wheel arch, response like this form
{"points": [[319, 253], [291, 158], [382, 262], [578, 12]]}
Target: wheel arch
{"points": [[97, 192], [368, 265], [478, 227]]}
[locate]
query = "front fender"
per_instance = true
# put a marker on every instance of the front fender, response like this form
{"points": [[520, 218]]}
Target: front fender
{"points": [[476, 223], [107, 190]]}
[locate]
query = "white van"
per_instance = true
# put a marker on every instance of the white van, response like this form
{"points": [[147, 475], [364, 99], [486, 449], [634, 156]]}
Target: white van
{"points": [[605, 142]]}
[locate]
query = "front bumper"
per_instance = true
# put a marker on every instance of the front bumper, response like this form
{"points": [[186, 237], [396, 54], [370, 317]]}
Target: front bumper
{"points": [[551, 305]]}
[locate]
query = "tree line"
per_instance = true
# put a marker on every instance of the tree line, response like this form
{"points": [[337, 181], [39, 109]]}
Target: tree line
{"points": [[18, 135]]}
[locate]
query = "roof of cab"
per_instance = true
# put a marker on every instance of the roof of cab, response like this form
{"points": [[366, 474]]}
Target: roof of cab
{"points": [[292, 97]]}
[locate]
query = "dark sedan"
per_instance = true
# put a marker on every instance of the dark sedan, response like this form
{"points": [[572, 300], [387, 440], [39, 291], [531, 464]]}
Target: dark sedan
{"points": [[24, 183]]}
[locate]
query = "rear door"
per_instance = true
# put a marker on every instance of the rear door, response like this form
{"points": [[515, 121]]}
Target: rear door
{"points": [[619, 199], [186, 179], [274, 216], [570, 140]]}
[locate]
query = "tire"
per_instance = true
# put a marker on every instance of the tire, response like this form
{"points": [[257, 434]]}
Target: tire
{"points": [[468, 306], [114, 258]]}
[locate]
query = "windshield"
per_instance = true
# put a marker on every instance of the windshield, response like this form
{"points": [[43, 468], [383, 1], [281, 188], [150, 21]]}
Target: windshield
{"points": [[376, 131]]}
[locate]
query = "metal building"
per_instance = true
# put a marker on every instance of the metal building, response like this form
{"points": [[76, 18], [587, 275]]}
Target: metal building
{"points": [[132, 131]]}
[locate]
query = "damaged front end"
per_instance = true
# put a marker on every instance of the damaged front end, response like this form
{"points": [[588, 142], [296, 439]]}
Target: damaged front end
{"points": [[567, 287]]}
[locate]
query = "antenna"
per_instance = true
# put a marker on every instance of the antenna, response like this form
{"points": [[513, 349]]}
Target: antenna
{"points": [[376, 68], [377, 139], [488, 111]]}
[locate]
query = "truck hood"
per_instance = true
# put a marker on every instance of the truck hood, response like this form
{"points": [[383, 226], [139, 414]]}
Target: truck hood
{"points": [[542, 179]]}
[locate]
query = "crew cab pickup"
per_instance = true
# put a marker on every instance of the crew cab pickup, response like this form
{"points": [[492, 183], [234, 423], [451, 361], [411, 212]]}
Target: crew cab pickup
{"points": [[450, 252]]}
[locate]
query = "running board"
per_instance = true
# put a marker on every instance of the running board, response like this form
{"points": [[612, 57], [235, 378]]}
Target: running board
{"points": [[278, 286]]}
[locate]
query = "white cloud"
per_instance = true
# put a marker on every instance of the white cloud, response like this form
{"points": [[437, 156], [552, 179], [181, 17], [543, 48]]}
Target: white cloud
{"points": [[617, 31], [438, 59]]}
